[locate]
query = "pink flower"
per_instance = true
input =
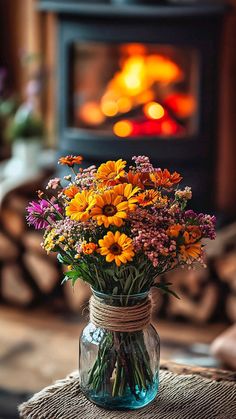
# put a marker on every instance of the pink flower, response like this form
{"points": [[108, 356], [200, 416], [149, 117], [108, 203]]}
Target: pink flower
{"points": [[37, 213], [143, 164], [54, 183]]}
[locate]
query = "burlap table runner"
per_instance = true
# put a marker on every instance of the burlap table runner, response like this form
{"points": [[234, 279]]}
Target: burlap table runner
{"points": [[181, 397]]}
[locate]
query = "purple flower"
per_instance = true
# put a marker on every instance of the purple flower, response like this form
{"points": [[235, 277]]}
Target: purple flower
{"points": [[190, 214], [207, 223], [37, 214]]}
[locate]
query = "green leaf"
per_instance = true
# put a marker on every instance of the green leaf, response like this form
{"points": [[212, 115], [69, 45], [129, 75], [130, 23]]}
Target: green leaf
{"points": [[169, 291], [25, 124], [109, 272], [165, 289], [65, 260], [65, 279], [128, 284], [72, 274]]}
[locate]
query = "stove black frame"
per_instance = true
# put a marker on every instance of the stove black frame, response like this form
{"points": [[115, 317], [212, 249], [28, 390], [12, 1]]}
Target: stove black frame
{"points": [[195, 26]]}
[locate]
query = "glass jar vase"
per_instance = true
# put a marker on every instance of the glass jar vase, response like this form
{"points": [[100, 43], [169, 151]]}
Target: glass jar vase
{"points": [[119, 369]]}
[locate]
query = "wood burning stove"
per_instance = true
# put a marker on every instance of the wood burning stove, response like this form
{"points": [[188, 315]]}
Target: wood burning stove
{"points": [[141, 79], [134, 90]]}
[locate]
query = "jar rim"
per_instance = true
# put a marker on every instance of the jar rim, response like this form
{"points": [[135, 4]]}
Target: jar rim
{"points": [[100, 294]]}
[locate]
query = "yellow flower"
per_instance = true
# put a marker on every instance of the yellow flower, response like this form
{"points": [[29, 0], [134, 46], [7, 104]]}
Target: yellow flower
{"points": [[89, 248], [127, 192], [61, 239], [109, 173], [109, 209], [116, 247], [49, 240], [148, 197], [190, 251], [79, 206]]}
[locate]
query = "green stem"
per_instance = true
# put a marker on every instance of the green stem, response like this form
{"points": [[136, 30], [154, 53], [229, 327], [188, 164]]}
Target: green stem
{"points": [[116, 384]]}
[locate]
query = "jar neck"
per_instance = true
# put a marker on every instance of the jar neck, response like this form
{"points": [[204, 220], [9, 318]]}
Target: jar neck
{"points": [[120, 300]]}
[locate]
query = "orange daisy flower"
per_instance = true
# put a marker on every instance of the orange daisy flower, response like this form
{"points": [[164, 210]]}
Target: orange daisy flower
{"points": [[190, 251], [71, 191], [110, 172], [89, 248], [116, 247], [79, 207], [133, 178], [164, 178], [148, 197], [192, 234], [109, 209], [174, 230], [70, 160], [128, 193]]}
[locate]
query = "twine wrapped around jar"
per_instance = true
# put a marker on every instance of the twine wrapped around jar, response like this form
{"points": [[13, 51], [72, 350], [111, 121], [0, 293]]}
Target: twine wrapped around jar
{"points": [[120, 319]]}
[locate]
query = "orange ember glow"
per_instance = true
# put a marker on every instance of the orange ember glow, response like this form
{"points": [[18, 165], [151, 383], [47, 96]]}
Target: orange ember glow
{"points": [[133, 49], [153, 110], [91, 113], [109, 107], [163, 69], [148, 94], [124, 104], [182, 104], [135, 83], [168, 127], [123, 128]]}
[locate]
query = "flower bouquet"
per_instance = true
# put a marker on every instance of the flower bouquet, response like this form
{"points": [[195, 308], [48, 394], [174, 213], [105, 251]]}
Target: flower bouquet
{"points": [[118, 228]]}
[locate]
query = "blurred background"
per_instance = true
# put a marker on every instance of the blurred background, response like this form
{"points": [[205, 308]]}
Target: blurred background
{"points": [[109, 79]]}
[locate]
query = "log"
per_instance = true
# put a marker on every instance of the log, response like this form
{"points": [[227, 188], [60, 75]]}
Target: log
{"points": [[225, 266], [231, 307], [224, 347], [16, 202], [198, 296], [13, 287], [77, 297], [32, 242], [43, 271], [8, 250], [13, 222], [225, 239]]}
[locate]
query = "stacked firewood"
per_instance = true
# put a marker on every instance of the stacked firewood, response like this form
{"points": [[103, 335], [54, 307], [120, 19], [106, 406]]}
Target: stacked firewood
{"points": [[206, 294], [29, 277]]}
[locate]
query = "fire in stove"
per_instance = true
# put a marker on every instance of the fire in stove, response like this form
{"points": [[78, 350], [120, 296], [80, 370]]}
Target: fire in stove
{"points": [[135, 90]]}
